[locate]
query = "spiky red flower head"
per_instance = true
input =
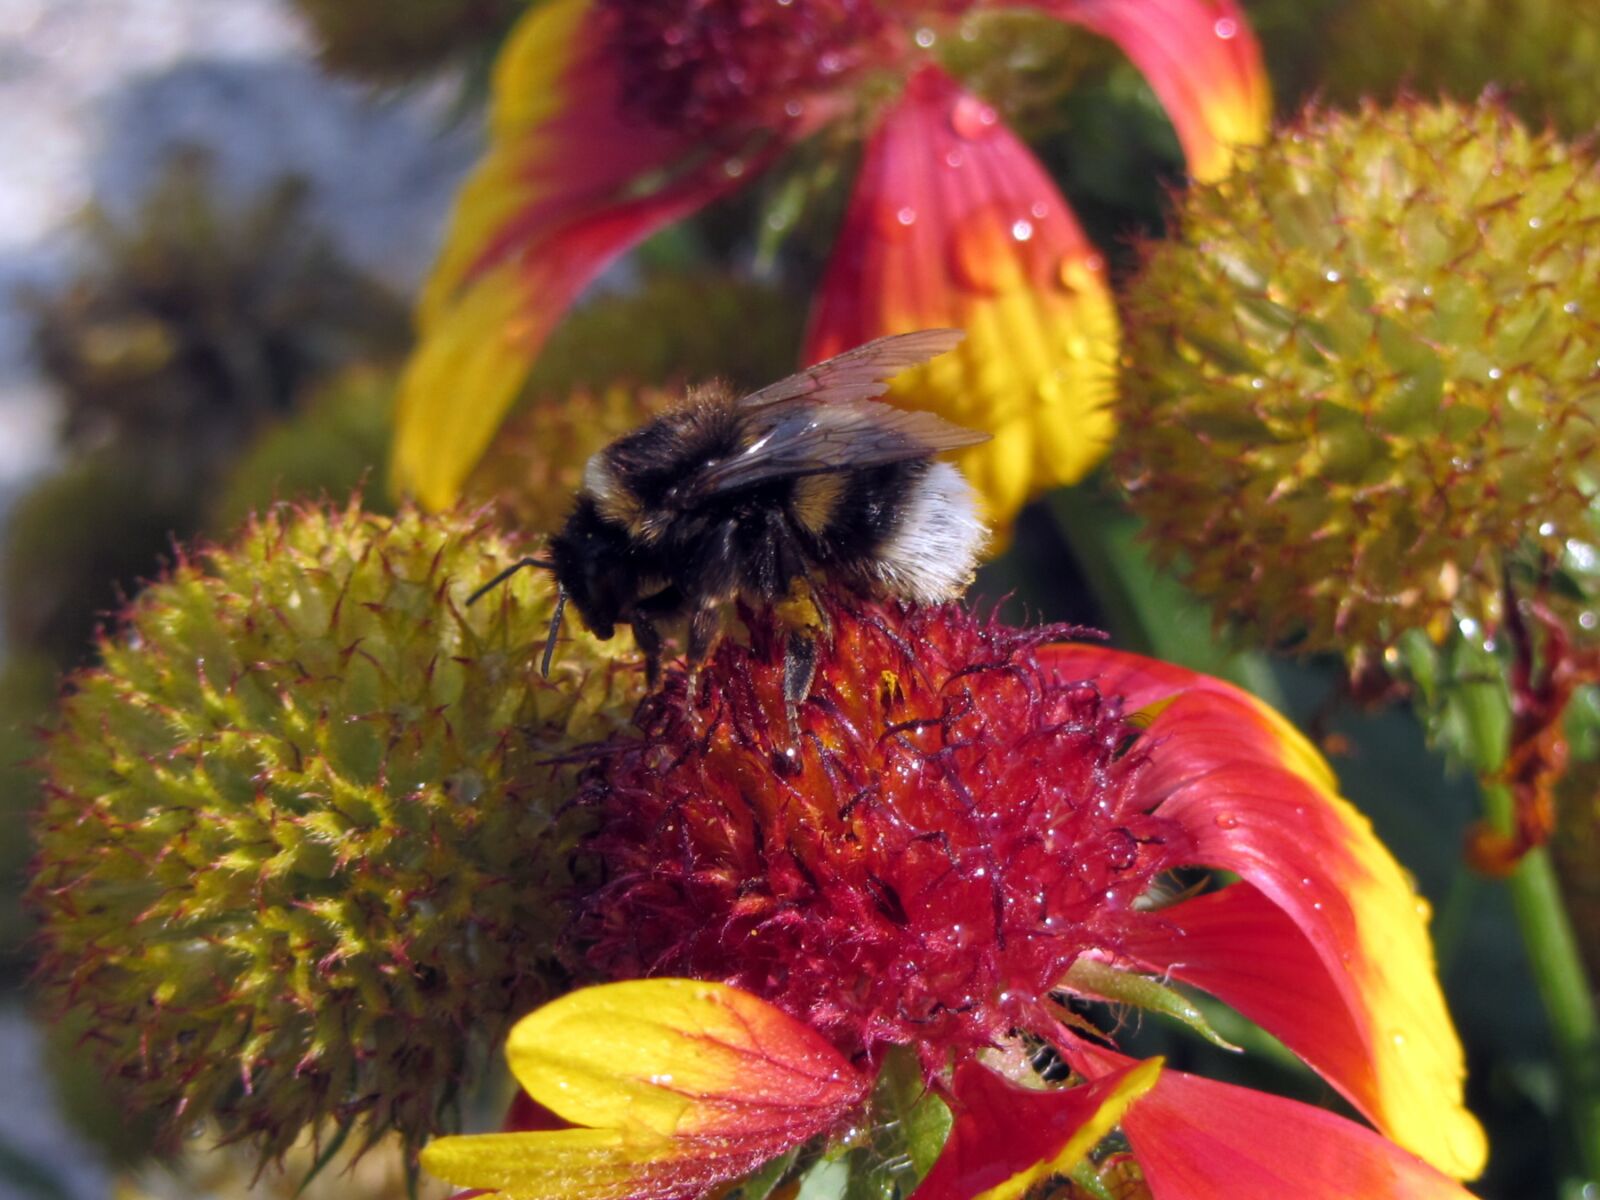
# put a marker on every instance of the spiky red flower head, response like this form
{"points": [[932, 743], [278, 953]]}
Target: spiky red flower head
{"points": [[953, 827], [707, 65]]}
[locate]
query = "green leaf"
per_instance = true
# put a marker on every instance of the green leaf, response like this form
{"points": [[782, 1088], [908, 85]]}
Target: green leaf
{"points": [[1127, 987]]}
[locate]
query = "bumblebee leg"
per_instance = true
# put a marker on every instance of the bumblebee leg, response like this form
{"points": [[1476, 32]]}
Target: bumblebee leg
{"points": [[799, 669], [648, 639]]}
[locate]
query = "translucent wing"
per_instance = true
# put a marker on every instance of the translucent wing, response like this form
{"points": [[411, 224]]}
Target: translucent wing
{"points": [[861, 373], [809, 437]]}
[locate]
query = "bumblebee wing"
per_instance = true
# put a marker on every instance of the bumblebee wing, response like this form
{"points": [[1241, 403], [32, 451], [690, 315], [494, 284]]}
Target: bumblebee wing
{"points": [[861, 373], [804, 437]]}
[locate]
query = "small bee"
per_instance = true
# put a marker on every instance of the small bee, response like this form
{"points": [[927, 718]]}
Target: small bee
{"points": [[761, 498]]}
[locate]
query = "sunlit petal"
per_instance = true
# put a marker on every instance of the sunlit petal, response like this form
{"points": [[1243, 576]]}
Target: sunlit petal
{"points": [[1259, 800], [953, 222]]}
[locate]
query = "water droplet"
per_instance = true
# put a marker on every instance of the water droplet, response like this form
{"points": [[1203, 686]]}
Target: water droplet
{"points": [[1038, 209], [983, 256], [1022, 230], [1571, 307], [1305, 881], [1495, 372], [1226, 28], [971, 118], [831, 62], [1316, 906], [733, 168], [980, 873], [1258, 383], [1588, 620], [926, 37], [954, 158], [1427, 289], [1469, 628], [793, 108], [1332, 276], [906, 216], [1227, 821], [1535, 222], [1546, 528]]}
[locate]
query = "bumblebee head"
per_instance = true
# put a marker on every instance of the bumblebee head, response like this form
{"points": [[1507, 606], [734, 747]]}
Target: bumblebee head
{"points": [[590, 557]]}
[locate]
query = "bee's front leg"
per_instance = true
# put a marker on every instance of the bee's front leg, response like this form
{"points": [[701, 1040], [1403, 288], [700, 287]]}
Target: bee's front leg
{"points": [[648, 639]]}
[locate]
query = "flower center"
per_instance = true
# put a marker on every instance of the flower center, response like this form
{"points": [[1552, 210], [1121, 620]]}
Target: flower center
{"points": [[705, 65], [954, 827]]}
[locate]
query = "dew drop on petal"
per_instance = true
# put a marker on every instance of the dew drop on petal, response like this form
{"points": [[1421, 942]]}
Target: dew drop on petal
{"points": [[906, 216], [1229, 821], [1571, 307], [971, 118], [1333, 276], [925, 37], [1226, 28], [1022, 230], [793, 108]]}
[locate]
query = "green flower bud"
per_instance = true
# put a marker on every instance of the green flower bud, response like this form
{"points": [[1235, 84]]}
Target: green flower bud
{"points": [[1366, 370], [303, 847]]}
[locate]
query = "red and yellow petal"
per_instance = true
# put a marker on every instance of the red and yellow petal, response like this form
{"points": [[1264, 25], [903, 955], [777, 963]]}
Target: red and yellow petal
{"points": [[1258, 800], [1006, 1139], [673, 1085], [556, 198], [1203, 61], [953, 222], [1196, 1139]]}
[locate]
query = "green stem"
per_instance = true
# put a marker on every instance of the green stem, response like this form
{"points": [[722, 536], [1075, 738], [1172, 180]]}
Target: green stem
{"points": [[1562, 982]]}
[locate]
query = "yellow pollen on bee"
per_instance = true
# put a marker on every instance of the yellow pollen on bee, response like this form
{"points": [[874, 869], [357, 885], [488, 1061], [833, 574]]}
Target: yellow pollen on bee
{"points": [[816, 500]]}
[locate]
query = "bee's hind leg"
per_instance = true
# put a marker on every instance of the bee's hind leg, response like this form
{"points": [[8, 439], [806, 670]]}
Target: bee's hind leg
{"points": [[799, 668]]}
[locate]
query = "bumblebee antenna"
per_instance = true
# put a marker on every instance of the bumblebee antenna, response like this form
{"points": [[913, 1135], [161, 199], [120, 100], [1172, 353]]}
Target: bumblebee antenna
{"points": [[521, 564], [555, 629]]}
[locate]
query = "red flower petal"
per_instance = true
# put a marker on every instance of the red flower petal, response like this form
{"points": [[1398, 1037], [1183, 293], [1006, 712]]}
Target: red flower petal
{"points": [[1202, 59], [953, 222], [552, 203], [1259, 800], [1196, 1139], [1006, 1138]]}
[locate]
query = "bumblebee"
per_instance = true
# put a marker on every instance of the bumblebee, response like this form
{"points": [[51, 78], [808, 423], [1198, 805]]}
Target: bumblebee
{"points": [[763, 498]]}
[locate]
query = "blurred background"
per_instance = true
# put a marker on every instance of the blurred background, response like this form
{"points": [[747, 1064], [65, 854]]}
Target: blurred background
{"points": [[213, 220]]}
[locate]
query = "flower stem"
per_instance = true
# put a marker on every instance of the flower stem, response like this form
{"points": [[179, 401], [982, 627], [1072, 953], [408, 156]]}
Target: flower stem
{"points": [[1562, 981]]}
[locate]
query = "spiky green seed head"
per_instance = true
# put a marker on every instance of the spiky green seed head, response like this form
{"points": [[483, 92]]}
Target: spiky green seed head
{"points": [[1366, 369], [536, 487], [1544, 54], [303, 848]]}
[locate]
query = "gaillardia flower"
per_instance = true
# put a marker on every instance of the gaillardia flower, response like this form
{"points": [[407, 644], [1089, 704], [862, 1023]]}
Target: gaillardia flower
{"points": [[964, 830], [613, 118], [300, 828]]}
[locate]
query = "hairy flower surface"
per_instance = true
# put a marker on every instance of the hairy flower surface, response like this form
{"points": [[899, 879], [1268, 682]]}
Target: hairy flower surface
{"points": [[964, 822], [946, 837], [1363, 373], [299, 855], [614, 118]]}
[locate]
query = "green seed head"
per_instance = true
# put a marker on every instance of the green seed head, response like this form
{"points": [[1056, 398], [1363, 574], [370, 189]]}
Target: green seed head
{"points": [[303, 849], [1366, 369]]}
